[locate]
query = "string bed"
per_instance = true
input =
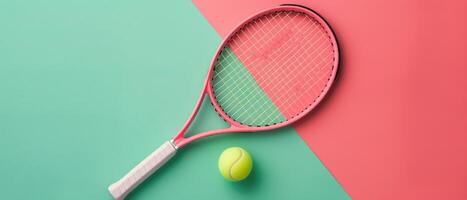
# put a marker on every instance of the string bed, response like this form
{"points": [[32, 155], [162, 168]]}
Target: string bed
{"points": [[273, 68]]}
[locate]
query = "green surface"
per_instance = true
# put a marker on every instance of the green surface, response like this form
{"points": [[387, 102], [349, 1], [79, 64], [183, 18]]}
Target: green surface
{"points": [[239, 95], [89, 88]]}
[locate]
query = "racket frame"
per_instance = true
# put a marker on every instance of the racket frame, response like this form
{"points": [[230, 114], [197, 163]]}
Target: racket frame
{"points": [[180, 140]]}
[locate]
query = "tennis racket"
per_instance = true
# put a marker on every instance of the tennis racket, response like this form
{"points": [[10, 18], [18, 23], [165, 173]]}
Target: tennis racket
{"points": [[270, 71]]}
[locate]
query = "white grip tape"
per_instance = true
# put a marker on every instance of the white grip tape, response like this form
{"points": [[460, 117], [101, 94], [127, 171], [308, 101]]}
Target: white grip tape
{"points": [[143, 170]]}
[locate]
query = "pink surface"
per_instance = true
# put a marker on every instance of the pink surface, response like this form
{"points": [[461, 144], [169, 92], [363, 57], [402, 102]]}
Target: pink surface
{"points": [[395, 125]]}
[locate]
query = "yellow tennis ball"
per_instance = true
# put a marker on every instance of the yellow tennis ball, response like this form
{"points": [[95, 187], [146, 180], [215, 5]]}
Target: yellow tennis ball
{"points": [[235, 164]]}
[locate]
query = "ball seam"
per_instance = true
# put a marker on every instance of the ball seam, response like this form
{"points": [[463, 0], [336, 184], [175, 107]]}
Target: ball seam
{"points": [[235, 162]]}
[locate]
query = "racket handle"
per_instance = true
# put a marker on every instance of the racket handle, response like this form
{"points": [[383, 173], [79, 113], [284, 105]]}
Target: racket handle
{"points": [[143, 170]]}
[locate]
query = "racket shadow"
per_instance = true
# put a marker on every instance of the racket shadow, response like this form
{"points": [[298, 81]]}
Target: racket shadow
{"points": [[330, 94]]}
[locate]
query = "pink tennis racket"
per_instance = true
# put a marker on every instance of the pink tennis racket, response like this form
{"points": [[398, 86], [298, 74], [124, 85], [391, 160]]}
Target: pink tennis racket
{"points": [[270, 71]]}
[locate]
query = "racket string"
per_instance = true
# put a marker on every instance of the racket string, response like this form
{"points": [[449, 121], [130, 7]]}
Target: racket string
{"points": [[226, 107], [268, 20], [233, 75], [287, 54], [289, 80], [234, 42]]}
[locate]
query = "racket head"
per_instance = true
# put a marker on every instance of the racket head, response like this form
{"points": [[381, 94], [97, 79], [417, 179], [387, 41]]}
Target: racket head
{"points": [[273, 69]]}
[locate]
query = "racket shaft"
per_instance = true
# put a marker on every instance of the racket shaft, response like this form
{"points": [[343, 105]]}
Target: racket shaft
{"points": [[143, 170]]}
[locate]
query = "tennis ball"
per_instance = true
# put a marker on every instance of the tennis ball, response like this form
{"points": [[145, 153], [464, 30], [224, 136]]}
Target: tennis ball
{"points": [[235, 164]]}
